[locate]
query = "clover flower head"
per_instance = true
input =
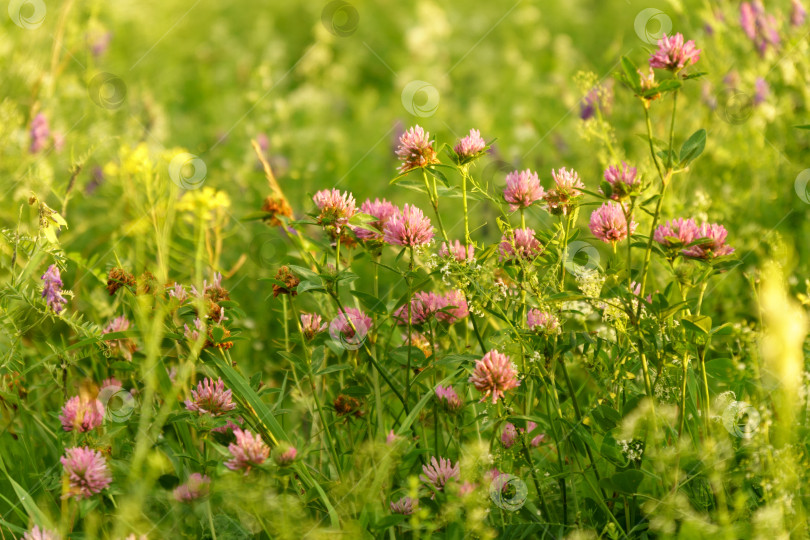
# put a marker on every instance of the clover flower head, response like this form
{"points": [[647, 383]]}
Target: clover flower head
{"points": [[86, 471], [457, 251], [82, 414], [470, 146], [519, 244], [196, 487], [673, 54], [622, 181], [311, 325], [382, 211], [448, 397], [522, 189], [494, 374], [542, 322], [410, 228], [40, 534], [247, 452], [416, 150], [439, 472], [565, 193], [404, 506], [210, 398], [509, 435], [608, 223]]}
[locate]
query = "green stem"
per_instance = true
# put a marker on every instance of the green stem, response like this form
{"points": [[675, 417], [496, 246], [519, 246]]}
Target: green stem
{"points": [[464, 173]]}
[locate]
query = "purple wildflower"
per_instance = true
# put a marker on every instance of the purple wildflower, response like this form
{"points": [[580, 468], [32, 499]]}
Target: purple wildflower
{"points": [[210, 398], [457, 251], [52, 289], [608, 223], [470, 146], [40, 534], [86, 470], [673, 54], [519, 244], [623, 181], [449, 399], [196, 487], [542, 322], [248, 451], [416, 150], [311, 325], [522, 189], [39, 133], [404, 506], [439, 472], [493, 375], [410, 227], [382, 211], [509, 435], [81, 414]]}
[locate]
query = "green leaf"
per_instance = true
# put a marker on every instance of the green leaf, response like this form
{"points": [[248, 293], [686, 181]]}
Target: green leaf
{"points": [[693, 147], [806, 126], [631, 76], [370, 302], [627, 481], [701, 324]]}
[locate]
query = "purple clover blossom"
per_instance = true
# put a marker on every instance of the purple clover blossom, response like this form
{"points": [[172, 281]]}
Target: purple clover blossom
{"points": [[457, 251], [759, 26], [336, 208], [404, 506], [622, 180], [40, 132], [382, 211], [410, 228], [40, 534], [284, 454], [609, 224], [439, 472], [470, 146], [673, 54], [494, 374], [520, 244], [86, 471], [714, 244], [542, 322], [522, 189], [311, 325], [415, 150], [248, 451], [52, 289], [82, 414], [196, 487], [210, 398], [509, 435], [762, 91], [449, 399]]}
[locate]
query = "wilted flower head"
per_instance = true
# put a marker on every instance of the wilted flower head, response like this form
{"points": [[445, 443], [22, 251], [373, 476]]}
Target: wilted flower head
{"points": [[542, 322], [673, 54], [288, 282], [196, 487], [284, 454], [404, 506], [248, 451], [448, 398], [623, 181], [210, 398], [86, 470], [493, 375], [438, 472], [39, 133], [52, 289], [82, 414], [41, 534], [713, 243], [677, 231], [520, 244], [608, 223], [470, 146], [311, 325], [336, 207], [522, 189], [410, 227], [415, 150], [350, 327], [567, 189], [457, 251], [382, 211], [509, 435], [418, 340], [126, 346]]}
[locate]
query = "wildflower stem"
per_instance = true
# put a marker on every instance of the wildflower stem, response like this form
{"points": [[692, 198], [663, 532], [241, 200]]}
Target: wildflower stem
{"points": [[410, 324], [464, 174], [527, 453], [672, 131], [433, 195]]}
